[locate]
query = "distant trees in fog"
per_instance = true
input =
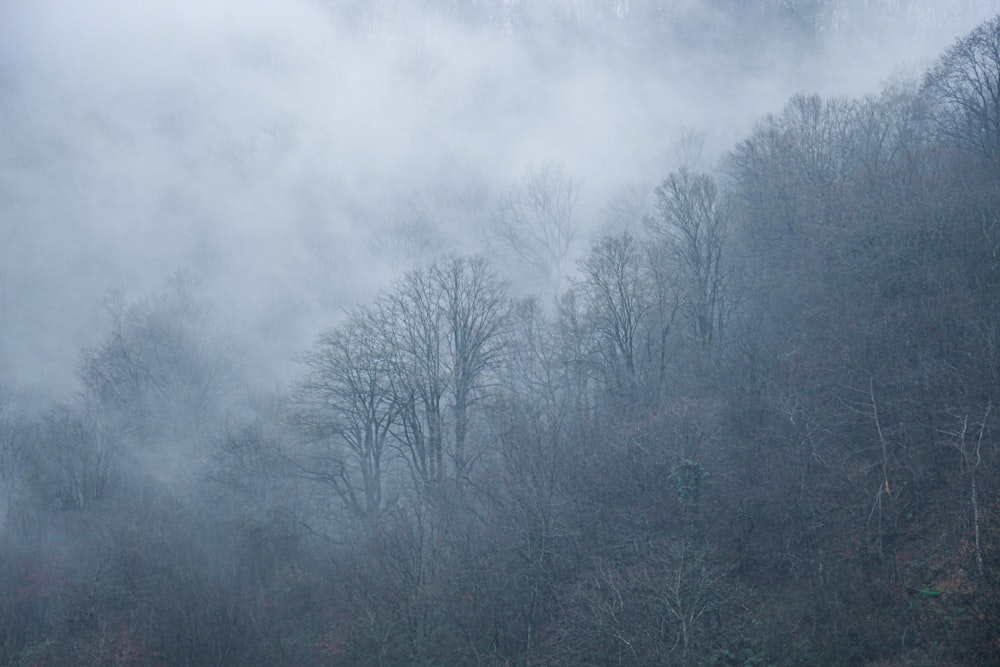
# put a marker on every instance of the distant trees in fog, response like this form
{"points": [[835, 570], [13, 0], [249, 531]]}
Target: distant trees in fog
{"points": [[537, 222], [399, 381], [759, 426]]}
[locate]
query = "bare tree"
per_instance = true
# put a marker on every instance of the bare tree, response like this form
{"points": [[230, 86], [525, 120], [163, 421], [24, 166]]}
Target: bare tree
{"points": [[970, 448], [75, 459], [629, 314], [539, 367], [14, 456], [536, 222], [413, 318], [478, 318], [790, 171], [663, 608], [157, 370], [692, 227], [347, 405], [448, 329], [964, 87], [618, 301], [530, 522]]}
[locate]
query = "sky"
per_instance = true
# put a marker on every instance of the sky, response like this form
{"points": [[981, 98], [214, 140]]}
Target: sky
{"points": [[295, 156]]}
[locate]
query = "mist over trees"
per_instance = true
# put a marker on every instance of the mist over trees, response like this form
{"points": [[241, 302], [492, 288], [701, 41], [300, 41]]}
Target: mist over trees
{"points": [[738, 411]]}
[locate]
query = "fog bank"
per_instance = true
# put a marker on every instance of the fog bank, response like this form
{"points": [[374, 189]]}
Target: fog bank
{"points": [[295, 156]]}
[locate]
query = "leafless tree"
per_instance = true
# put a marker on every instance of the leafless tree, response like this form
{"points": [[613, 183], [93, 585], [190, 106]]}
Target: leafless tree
{"points": [[413, 318], [76, 458], [691, 226], [478, 321], [618, 298], [347, 406], [630, 315], [14, 456], [662, 609], [539, 366], [969, 445], [448, 329], [964, 88], [158, 370], [536, 222]]}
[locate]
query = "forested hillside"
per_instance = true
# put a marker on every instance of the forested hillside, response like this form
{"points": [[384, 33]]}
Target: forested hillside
{"points": [[755, 421]]}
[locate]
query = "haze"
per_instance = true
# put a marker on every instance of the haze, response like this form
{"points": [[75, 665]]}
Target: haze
{"points": [[495, 332], [293, 157]]}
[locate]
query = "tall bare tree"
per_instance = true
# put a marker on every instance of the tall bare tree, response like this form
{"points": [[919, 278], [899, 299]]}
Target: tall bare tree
{"points": [[630, 314], [478, 319], [348, 406], [448, 329], [692, 226], [536, 224], [413, 316]]}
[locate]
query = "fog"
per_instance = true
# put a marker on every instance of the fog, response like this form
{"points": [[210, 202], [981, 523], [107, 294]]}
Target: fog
{"points": [[294, 156], [499, 332]]}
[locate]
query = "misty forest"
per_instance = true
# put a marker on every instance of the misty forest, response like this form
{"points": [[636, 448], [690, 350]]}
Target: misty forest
{"points": [[500, 332]]}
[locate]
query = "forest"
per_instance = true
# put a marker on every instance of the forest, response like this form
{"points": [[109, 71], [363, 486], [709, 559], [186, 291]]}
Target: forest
{"points": [[754, 420]]}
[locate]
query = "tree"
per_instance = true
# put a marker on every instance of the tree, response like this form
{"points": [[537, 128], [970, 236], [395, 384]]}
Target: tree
{"points": [[157, 370], [660, 605], [964, 90], [536, 222], [527, 534], [540, 368], [791, 173], [619, 301], [412, 316], [478, 318], [14, 456], [615, 322], [347, 408], [893, 153], [691, 226], [447, 327], [75, 458]]}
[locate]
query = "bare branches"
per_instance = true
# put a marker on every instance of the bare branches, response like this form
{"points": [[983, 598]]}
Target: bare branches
{"points": [[618, 299], [964, 88], [692, 228], [348, 407], [404, 375], [535, 223], [971, 457]]}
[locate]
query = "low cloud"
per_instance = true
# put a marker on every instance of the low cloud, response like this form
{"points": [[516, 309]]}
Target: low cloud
{"points": [[277, 149]]}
